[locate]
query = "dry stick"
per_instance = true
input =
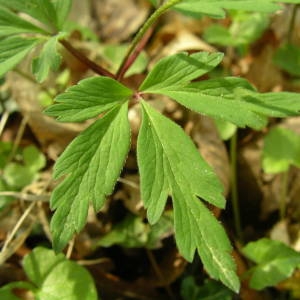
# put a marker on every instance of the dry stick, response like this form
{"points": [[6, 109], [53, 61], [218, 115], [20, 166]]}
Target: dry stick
{"points": [[3, 121], [26, 197], [86, 61], [18, 137], [18, 225], [159, 274], [70, 248]]}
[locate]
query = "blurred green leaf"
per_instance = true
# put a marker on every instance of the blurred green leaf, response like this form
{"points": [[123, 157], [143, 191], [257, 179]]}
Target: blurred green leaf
{"points": [[42, 10], [11, 24], [226, 129], [210, 290], [244, 30], [281, 150], [48, 60], [287, 57], [275, 262], [132, 232], [34, 158]]}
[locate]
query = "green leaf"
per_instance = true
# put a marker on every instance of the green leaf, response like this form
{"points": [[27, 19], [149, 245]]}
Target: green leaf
{"points": [[18, 176], [11, 24], [275, 262], [92, 163], [179, 69], [88, 99], [39, 263], [287, 57], [211, 290], [169, 163], [234, 100], [12, 51], [48, 59], [244, 30], [133, 232], [62, 8], [225, 129], [281, 150], [129, 233], [33, 158], [215, 8], [58, 278], [42, 10]]}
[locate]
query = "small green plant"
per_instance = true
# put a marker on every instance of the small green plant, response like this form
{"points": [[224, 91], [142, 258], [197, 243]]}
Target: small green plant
{"points": [[281, 151], [20, 171], [169, 163], [52, 277], [275, 262]]}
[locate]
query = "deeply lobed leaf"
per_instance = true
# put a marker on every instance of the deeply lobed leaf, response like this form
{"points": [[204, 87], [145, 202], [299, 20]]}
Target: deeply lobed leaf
{"points": [[234, 100], [13, 50], [92, 163], [88, 98], [179, 69], [11, 24], [169, 163], [42, 10]]}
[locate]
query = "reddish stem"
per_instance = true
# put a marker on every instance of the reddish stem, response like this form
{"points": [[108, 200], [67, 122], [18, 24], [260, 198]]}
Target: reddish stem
{"points": [[127, 62], [86, 61]]}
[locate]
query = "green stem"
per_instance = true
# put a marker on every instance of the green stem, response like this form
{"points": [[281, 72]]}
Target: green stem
{"points": [[292, 23], [151, 20], [234, 189], [283, 194]]}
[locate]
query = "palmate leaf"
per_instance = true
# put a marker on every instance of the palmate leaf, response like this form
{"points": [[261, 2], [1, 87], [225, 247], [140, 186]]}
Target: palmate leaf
{"points": [[92, 163], [87, 99], [11, 24], [169, 163], [13, 50], [42, 10], [179, 69], [234, 100], [48, 60], [215, 8]]}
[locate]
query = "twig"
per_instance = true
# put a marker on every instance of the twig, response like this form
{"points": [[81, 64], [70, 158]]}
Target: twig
{"points": [[90, 262], [18, 225], [3, 121], [18, 137], [130, 183], [86, 61], [70, 248], [26, 197], [159, 274]]}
